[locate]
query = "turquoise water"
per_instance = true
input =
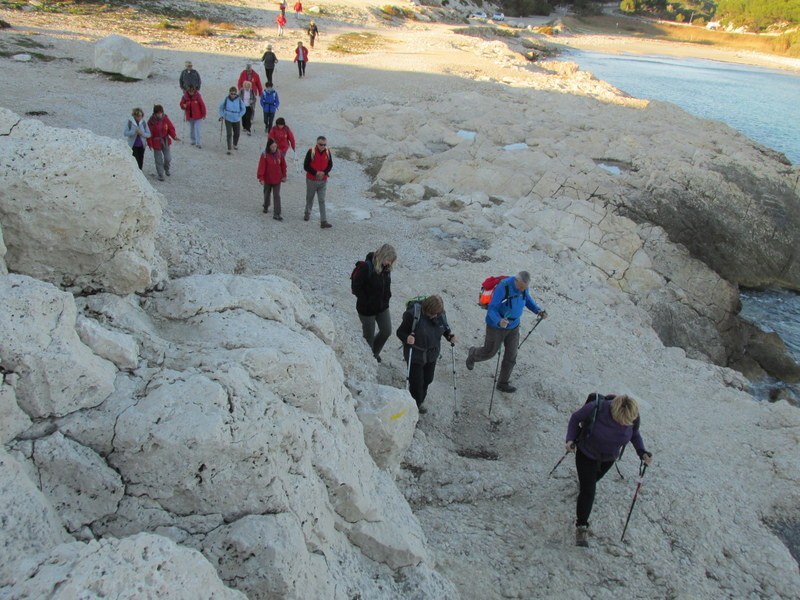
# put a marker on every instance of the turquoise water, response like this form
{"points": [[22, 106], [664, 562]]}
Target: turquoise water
{"points": [[764, 104]]}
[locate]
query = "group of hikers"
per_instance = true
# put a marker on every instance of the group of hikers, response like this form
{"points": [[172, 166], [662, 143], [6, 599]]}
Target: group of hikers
{"points": [[596, 433]]}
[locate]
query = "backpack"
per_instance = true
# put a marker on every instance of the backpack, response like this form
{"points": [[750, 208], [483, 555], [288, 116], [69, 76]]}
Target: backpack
{"points": [[585, 426], [361, 264], [487, 288]]}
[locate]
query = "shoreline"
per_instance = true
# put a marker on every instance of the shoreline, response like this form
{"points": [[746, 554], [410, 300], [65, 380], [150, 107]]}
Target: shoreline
{"points": [[611, 44]]}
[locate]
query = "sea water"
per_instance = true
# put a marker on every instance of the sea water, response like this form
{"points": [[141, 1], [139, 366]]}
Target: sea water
{"points": [[763, 104]]}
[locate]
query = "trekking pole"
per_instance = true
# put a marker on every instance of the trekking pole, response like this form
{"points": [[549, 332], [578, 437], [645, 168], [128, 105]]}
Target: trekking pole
{"points": [[455, 394], [494, 383], [553, 470], [535, 325], [408, 371], [642, 469], [294, 160], [220, 132]]}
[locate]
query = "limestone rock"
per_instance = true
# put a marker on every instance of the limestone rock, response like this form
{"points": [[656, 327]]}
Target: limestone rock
{"points": [[191, 249], [3, 250], [30, 525], [13, 420], [389, 417], [119, 348], [142, 566], [57, 373], [64, 219], [83, 488], [118, 54]]}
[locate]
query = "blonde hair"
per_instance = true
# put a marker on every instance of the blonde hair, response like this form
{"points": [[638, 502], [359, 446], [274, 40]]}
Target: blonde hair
{"points": [[432, 305], [137, 111], [384, 253], [624, 410]]}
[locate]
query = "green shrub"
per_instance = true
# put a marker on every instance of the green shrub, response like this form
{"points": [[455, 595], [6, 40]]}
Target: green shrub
{"points": [[356, 43], [199, 28]]}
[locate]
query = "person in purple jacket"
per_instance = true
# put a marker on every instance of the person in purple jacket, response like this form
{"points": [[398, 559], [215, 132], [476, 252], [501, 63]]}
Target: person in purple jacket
{"points": [[616, 424]]}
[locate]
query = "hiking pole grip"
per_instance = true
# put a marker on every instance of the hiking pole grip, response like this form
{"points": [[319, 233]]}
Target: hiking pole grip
{"points": [[553, 470]]}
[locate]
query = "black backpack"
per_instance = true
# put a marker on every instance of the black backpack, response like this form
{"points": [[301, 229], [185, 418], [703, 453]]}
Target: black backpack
{"points": [[415, 307], [585, 427], [354, 274]]}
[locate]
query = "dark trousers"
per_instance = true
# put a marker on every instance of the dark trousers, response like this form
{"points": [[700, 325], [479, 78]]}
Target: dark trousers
{"points": [[138, 153], [509, 338], [420, 377], [590, 471], [384, 322], [232, 131], [269, 73], [269, 117], [247, 119], [301, 67], [275, 190]]}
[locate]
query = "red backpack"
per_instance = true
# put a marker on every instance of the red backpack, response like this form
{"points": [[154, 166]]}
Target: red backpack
{"points": [[487, 288]]}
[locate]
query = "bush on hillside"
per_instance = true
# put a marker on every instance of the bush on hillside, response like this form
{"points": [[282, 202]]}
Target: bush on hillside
{"points": [[199, 27]]}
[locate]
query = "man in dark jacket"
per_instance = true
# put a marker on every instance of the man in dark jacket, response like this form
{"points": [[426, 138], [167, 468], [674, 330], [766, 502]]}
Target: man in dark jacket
{"points": [[422, 344], [189, 77]]}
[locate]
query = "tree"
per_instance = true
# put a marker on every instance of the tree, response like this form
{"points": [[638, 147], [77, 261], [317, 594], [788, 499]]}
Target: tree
{"points": [[629, 6]]}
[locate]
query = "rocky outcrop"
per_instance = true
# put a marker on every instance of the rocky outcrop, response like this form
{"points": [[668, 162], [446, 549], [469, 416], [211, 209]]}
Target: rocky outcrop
{"points": [[118, 54], [72, 210]]}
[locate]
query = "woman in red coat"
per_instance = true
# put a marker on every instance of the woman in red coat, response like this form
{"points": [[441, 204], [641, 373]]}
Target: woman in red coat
{"points": [[301, 58], [271, 173], [282, 135], [162, 132], [194, 110]]}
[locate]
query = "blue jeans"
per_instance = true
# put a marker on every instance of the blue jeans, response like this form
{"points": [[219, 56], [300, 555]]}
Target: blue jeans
{"points": [[194, 130]]}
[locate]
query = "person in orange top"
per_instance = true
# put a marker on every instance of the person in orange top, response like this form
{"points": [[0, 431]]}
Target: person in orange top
{"points": [[271, 173]]}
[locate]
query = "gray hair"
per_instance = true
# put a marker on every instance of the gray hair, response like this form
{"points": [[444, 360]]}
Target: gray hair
{"points": [[524, 277]]}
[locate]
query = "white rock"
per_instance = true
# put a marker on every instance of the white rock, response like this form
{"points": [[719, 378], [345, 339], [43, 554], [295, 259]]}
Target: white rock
{"points": [[142, 566], [67, 222], [13, 420], [118, 54], [119, 348], [57, 373], [30, 525], [389, 417], [83, 488], [3, 250], [22, 57]]}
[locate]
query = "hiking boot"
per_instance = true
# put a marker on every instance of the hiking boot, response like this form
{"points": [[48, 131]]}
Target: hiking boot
{"points": [[166, 172], [422, 410], [265, 209], [199, 147], [236, 147], [582, 536], [506, 387], [161, 178], [278, 218], [378, 358], [325, 225], [306, 217], [470, 360], [229, 151]]}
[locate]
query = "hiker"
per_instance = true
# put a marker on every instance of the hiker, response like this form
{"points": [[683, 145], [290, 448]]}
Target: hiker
{"points": [[422, 344], [269, 104], [281, 21], [271, 173], [162, 132], [317, 164], [189, 77], [270, 60], [282, 135], [301, 58], [231, 110], [298, 10], [371, 283], [194, 111], [509, 299], [282, 7], [248, 98], [250, 75], [313, 32], [616, 422], [137, 132]]}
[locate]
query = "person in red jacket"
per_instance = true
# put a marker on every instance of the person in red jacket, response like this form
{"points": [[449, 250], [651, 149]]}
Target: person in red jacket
{"points": [[194, 111], [301, 58], [281, 21], [283, 136], [271, 173], [318, 165], [250, 75], [162, 132], [298, 9]]}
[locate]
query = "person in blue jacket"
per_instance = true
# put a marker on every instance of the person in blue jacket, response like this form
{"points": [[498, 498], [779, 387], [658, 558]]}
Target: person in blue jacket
{"points": [[616, 424], [231, 110], [509, 299], [269, 103]]}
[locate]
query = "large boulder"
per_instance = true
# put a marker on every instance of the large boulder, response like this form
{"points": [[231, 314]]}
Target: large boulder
{"points": [[118, 54], [75, 210]]}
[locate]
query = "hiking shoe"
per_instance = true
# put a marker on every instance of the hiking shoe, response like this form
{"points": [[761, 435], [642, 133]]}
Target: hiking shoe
{"points": [[306, 217], [161, 178], [422, 410], [199, 147], [582, 536], [265, 209], [166, 172], [236, 147], [378, 358], [278, 218], [325, 225], [506, 387], [470, 361], [229, 151]]}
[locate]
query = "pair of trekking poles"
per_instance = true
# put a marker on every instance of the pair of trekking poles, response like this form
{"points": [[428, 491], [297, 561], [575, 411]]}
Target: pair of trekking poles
{"points": [[639, 481], [453, 354]]}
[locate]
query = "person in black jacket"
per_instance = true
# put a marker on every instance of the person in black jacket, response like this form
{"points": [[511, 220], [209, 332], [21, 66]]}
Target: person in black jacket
{"points": [[422, 344], [372, 285]]}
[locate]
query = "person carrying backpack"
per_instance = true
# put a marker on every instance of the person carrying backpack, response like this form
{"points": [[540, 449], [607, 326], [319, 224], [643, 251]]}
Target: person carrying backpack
{"points": [[231, 110], [269, 104], [421, 331], [608, 425], [503, 316], [371, 282]]}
